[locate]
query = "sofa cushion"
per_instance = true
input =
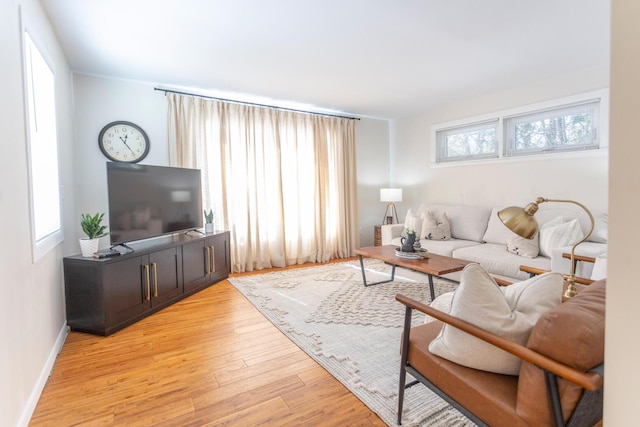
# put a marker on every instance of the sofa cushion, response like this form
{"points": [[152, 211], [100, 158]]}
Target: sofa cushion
{"points": [[527, 248], [510, 312], [467, 222], [497, 260], [573, 334], [435, 227], [558, 233], [599, 268]]}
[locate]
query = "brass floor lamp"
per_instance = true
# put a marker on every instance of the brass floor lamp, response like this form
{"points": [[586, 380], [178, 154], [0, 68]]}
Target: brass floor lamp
{"points": [[521, 221]]}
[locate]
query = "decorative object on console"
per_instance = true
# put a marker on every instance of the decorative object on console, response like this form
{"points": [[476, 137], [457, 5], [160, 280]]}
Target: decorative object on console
{"points": [[208, 221], [521, 221], [123, 142], [390, 195], [93, 228]]}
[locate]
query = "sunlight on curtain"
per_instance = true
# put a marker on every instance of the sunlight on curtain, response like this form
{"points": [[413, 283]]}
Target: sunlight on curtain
{"points": [[283, 183]]}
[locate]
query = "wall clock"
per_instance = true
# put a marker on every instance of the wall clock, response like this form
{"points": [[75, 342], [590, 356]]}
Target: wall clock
{"points": [[123, 142]]}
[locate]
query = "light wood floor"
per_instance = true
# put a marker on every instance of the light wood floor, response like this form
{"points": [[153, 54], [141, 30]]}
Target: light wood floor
{"points": [[211, 359]]}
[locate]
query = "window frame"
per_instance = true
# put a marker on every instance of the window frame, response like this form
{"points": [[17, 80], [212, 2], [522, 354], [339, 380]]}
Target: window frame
{"points": [[601, 95], [53, 236]]}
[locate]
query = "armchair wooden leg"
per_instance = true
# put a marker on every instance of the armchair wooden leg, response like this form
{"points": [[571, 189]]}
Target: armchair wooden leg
{"points": [[403, 360]]}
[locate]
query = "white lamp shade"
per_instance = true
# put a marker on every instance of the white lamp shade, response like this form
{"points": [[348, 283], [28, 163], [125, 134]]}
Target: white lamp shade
{"points": [[391, 194]]}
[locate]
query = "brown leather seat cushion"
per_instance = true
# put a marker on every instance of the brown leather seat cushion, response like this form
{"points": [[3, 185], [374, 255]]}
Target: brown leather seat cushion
{"points": [[491, 397], [571, 333]]}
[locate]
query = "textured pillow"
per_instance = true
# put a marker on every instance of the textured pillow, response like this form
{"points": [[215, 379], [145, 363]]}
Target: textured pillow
{"points": [[528, 248], [510, 312], [442, 302], [435, 227], [557, 233], [413, 221]]}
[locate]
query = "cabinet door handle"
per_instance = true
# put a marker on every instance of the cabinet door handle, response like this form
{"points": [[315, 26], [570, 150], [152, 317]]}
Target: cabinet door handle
{"points": [[146, 275], [213, 259], [207, 260], [155, 279]]}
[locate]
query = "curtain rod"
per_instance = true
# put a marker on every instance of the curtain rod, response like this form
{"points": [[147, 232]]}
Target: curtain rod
{"points": [[253, 103]]}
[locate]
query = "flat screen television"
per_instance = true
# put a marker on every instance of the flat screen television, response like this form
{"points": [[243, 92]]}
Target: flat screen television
{"points": [[149, 201]]}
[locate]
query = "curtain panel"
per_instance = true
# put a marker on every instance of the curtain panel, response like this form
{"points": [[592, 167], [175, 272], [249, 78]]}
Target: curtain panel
{"points": [[283, 183]]}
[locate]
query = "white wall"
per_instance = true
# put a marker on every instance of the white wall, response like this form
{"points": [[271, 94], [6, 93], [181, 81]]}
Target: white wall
{"points": [[582, 177], [32, 304], [372, 139], [622, 345], [99, 101]]}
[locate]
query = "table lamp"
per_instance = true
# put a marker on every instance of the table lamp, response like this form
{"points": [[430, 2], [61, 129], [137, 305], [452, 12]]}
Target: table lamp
{"points": [[521, 221], [390, 195]]}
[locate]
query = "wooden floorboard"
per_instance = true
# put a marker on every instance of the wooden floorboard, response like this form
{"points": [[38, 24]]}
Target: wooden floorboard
{"points": [[209, 360]]}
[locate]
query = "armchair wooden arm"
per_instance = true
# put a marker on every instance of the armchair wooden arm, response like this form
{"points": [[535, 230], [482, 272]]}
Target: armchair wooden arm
{"points": [[586, 380], [533, 271]]}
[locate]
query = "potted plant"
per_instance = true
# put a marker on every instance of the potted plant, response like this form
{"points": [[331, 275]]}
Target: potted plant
{"points": [[93, 228], [208, 221]]}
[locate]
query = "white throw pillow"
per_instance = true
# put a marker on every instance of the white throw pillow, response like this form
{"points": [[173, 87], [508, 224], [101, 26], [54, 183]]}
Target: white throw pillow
{"points": [[413, 221], [509, 311], [559, 233], [528, 248], [435, 227]]}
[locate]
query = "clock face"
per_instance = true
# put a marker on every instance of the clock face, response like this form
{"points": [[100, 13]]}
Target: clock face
{"points": [[123, 142]]}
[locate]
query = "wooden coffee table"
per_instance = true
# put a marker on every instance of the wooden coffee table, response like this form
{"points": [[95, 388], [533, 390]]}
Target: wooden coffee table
{"points": [[433, 265]]}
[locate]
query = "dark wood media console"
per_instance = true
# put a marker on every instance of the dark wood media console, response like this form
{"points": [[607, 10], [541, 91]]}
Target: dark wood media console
{"points": [[105, 295]]}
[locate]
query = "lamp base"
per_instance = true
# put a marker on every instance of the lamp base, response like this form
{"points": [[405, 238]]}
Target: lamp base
{"points": [[571, 288]]}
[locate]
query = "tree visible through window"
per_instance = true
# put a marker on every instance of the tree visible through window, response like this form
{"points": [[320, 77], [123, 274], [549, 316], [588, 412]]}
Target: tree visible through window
{"points": [[477, 141], [567, 128]]}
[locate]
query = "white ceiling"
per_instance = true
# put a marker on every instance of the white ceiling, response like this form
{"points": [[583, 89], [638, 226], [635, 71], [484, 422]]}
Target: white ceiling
{"points": [[370, 58]]}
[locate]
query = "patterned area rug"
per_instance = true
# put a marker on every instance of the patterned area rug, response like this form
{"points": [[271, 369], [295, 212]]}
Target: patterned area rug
{"points": [[353, 331]]}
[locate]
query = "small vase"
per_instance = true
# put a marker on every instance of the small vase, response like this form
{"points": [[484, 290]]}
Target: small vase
{"points": [[407, 243], [89, 246], [208, 227]]}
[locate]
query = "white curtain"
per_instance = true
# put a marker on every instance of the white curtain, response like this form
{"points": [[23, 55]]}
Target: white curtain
{"points": [[283, 183]]}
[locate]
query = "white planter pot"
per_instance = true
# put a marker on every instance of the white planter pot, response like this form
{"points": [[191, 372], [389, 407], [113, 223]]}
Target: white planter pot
{"points": [[208, 227], [89, 246]]}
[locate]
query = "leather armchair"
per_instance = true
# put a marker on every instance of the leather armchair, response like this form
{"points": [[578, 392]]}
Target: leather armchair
{"points": [[560, 381]]}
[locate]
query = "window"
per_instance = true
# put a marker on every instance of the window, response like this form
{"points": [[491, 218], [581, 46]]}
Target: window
{"points": [[560, 129], [570, 124], [46, 218], [474, 141]]}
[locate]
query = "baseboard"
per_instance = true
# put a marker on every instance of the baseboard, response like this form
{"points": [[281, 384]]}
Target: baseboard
{"points": [[32, 402]]}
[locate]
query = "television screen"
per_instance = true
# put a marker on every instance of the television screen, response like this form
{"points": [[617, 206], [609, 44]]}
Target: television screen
{"points": [[148, 201]]}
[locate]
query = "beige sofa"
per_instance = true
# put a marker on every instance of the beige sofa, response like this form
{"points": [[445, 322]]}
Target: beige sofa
{"points": [[478, 235]]}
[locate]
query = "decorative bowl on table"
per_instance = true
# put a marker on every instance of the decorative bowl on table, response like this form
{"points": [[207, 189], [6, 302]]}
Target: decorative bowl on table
{"points": [[419, 253]]}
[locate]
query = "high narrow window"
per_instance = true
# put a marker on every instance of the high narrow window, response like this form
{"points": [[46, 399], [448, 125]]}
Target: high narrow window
{"points": [[46, 218], [472, 141], [566, 128]]}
